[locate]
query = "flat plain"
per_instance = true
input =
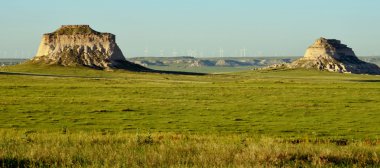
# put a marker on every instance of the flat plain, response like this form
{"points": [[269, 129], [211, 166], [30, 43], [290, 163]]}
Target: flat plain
{"points": [[303, 117]]}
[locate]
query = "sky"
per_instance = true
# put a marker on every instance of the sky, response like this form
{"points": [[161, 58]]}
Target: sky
{"points": [[201, 28]]}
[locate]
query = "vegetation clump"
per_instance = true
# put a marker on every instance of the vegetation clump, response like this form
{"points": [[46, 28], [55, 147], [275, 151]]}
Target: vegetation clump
{"points": [[75, 30]]}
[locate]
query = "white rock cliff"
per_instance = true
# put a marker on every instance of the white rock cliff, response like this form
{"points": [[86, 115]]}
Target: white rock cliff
{"points": [[79, 45], [331, 55]]}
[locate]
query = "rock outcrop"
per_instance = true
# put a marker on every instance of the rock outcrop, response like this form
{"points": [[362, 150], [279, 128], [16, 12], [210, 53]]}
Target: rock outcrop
{"points": [[79, 45], [331, 55]]}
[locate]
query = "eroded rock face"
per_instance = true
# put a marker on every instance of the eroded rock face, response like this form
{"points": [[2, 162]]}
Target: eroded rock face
{"points": [[332, 55], [73, 45]]}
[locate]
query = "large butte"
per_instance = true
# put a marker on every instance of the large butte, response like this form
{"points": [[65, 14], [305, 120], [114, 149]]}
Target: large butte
{"points": [[79, 45], [331, 55]]}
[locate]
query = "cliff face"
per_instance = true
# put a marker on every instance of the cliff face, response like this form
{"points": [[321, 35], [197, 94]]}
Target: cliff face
{"points": [[79, 45], [331, 55]]}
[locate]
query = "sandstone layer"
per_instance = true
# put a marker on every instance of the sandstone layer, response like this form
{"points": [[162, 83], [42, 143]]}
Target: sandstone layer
{"points": [[79, 45]]}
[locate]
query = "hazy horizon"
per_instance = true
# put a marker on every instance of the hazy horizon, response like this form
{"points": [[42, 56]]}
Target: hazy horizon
{"points": [[197, 28]]}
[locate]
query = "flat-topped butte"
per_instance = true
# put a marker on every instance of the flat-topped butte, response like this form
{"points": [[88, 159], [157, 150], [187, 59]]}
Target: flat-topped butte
{"points": [[79, 45], [331, 55]]}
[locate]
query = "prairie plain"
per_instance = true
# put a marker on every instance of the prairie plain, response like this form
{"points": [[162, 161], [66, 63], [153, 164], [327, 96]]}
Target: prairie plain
{"points": [[250, 118]]}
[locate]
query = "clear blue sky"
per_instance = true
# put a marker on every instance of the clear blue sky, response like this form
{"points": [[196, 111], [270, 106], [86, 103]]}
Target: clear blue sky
{"points": [[263, 27]]}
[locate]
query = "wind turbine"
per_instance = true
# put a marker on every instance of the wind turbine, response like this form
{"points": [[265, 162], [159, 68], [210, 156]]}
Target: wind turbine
{"points": [[174, 52], [244, 52], [125, 53], [146, 51], [221, 52], [195, 54]]}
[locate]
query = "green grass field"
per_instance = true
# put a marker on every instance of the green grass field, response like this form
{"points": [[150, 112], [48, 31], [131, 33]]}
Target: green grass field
{"points": [[291, 105], [204, 69]]}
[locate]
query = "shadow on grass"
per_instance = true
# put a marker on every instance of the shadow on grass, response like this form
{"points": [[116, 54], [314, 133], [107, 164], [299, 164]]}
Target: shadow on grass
{"points": [[331, 160], [123, 66], [366, 81], [177, 72], [46, 75], [94, 77], [13, 162]]}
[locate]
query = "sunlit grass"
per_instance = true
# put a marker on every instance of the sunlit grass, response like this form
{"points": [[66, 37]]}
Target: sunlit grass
{"points": [[50, 115], [115, 149]]}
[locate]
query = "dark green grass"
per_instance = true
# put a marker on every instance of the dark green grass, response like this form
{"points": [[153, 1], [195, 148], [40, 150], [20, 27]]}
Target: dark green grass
{"points": [[288, 103], [204, 69]]}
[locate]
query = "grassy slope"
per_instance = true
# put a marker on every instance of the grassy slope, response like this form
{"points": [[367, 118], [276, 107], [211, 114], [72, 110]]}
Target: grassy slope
{"points": [[294, 103]]}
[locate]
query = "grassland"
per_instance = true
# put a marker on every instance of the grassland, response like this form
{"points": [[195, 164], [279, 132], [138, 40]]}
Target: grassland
{"points": [[92, 149], [252, 118]]}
